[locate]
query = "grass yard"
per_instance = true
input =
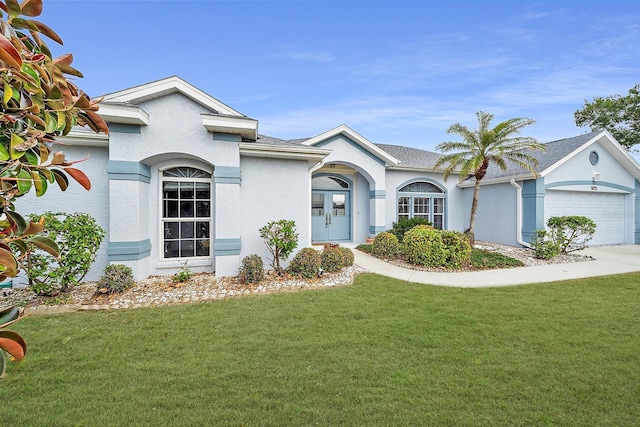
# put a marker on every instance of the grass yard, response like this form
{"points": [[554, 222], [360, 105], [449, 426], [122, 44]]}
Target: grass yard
{"points": [[379, 352]]}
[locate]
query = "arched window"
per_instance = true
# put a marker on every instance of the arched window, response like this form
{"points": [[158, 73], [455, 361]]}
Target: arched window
{"points": [[186, 213], [422, 199], [327, 182]]}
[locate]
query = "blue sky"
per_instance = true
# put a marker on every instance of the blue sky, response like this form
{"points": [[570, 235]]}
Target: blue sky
{"points": [[397, 72]]}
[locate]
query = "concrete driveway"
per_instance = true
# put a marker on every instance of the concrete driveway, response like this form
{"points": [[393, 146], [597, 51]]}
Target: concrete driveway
{"points": [[608, 260]]}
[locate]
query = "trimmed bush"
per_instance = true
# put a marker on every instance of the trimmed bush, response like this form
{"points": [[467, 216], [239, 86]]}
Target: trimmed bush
{"points": [[571, 233], [366, 248], [306, 263], [423, 245], [401, 227], [252, 269], [458, 249], [115, 279], [386, 245], [545, 245], [78, 236], [331, 259], [346, 256]]}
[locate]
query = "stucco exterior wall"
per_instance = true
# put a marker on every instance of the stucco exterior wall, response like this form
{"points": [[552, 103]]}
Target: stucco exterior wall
{"points": [[76, 199], [271, 190], [455, 204], [496, 220], [361, 209]]}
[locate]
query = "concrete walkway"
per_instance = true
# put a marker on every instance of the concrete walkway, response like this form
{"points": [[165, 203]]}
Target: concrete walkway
{"points": [[608, 260]]}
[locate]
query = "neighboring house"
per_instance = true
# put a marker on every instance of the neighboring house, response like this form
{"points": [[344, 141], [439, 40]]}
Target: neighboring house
{"points": [[184, 179]]}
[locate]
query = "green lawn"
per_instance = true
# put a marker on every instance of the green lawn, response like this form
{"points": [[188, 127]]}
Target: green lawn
{"points": [[379, 352]]}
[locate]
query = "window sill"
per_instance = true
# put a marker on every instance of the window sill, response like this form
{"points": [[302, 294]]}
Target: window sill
{"points": [[188, 262]]}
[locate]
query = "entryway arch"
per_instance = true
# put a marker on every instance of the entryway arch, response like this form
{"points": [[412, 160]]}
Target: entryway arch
{"points": [[331, 196]]}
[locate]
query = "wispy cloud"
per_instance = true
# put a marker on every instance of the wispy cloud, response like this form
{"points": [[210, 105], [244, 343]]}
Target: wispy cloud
{"points": [[301, 54]]}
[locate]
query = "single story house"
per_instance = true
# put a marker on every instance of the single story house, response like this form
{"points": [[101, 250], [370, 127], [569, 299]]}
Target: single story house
{"points": [[183, 179]]}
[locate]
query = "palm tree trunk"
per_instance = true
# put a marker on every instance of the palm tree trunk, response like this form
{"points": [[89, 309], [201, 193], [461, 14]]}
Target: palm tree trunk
{"points": [[474, 206]]}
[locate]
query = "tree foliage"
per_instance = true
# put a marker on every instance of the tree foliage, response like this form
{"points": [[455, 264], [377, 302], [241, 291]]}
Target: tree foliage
{"points": [[620, 115], [281, 239], [38, 103], [501, 145]]}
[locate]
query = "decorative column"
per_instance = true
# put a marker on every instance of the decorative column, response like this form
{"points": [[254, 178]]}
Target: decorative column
{"points": [[377, 201], [532, 208]]}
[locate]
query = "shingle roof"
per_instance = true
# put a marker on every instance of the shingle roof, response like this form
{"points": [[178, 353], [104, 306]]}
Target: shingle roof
{"points": [[556, 150], [270, 140], [411, 157]]}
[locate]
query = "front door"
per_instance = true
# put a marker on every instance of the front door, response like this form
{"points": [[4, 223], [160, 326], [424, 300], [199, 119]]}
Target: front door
{"points": [[330, 216]]}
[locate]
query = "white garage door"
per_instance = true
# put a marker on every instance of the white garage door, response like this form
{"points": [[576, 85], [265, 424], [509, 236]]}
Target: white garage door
{"points": [[605, 209]]}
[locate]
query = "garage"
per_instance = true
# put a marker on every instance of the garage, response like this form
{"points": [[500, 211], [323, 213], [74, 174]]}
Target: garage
{"points": [[605, 209]]}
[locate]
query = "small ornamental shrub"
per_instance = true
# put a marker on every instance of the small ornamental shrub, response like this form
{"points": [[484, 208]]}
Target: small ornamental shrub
{"points": [[281, 239], [252, 269], [306, 263], [78, 236], [331, 259], [401, 227], [346, 256], [458, 249], [545, 245], [386, 245], [115, 279], [571, 233], [183, 275], [423, 246], [366, 248]]}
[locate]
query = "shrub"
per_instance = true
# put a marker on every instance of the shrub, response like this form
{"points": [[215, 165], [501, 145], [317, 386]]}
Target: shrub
{"points": [[423, 246], [252, 269], [331, 258], [458, 249], [346, 256], [571, 233], [281, 239], [183, 275], [306, 263], [366, 248], [545, 245], [401, 227], [115, 279], [78, 236], [386, 245]]}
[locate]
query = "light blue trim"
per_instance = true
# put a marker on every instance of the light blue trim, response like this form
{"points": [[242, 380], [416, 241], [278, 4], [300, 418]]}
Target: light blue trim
{"points": [[222, 247], [373, 230], [226, 137], [129, 251], [444, 194], [351, 142], [586, 182], [377, 194], [533, 192], [124, 128], [636, 211], [227, 175], [121, 170]]}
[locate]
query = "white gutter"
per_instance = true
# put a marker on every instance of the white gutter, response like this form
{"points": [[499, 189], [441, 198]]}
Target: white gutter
{"points": [[519, 214]]}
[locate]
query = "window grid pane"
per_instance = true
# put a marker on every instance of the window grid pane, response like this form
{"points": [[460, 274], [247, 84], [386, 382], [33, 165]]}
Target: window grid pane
{"points": [[403, 207], [421, 207], [183, 202]]}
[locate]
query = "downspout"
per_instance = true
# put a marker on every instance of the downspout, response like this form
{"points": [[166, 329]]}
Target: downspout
{"points": [[519, 214]]}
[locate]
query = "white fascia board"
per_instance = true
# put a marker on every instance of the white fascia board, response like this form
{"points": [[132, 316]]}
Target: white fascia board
{"points": [[467, 184], [170, 85], [401, 167], [125, 114], [251, 149], [358, 139], [84, 138], [243, 126]]}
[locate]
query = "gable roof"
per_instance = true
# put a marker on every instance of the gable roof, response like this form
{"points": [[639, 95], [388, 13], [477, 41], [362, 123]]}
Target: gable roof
{"points": [[355, 137], [557, 153], [411, 158], [166, 86], [121, 107]]}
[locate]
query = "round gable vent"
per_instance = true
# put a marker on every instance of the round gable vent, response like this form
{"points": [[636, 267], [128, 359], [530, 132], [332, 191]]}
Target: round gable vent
{"points": [[594, 157]]}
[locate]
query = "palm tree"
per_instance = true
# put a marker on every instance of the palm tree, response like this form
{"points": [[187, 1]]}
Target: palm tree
{"points": [[483, 146]]}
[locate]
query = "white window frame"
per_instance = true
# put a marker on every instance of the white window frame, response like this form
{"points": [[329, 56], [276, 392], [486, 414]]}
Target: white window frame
{"points": [[191, 260], [411, 197]]}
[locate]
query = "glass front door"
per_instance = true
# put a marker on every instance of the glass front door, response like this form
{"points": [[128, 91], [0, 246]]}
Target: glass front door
{"points": [[330, 216]]}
